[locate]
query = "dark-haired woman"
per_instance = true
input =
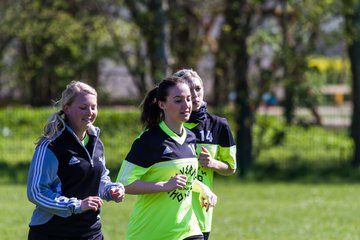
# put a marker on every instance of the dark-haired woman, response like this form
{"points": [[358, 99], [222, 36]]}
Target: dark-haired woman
{"points": [[213, 139], [161, 168]]}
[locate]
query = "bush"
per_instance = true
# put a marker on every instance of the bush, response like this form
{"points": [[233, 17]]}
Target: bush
{"points": [[22, 127], [280, 151]]}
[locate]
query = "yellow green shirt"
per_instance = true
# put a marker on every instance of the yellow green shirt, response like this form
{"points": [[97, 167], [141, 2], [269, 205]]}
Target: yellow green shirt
{"points": [[158, 154]]}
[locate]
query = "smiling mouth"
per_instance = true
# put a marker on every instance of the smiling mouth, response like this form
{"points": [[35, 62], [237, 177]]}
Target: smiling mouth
{"points": [[87, 120]]}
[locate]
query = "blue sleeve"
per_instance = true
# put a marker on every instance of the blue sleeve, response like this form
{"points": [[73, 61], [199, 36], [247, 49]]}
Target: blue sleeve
{"points": [[106, 184], [44, 186]]}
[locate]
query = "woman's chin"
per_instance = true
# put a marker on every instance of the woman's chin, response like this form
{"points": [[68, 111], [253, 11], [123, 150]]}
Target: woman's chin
{"points": [[196, 107]]}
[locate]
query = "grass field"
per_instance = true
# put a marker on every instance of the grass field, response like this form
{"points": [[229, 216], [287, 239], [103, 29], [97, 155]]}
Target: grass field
{"points": [[263, 211], [301, 187]]}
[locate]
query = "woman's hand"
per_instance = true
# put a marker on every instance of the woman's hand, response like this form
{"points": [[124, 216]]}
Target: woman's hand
{"points": [[117, 194], [177, 182], [91, 203], [208, 199], [205, 158]]}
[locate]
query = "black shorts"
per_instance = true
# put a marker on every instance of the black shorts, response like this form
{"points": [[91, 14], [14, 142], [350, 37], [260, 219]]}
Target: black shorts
{"points": [[195, 237], [34, 234]]}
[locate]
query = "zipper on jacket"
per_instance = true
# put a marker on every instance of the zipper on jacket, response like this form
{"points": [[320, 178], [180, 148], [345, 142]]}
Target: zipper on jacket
{"points": [[87, 152]]}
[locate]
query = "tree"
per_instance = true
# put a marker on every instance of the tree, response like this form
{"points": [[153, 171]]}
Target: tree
{"points": [[185, 39], [301, 30], [150, 18], [55, 41], [353, 24], [237, 29]]}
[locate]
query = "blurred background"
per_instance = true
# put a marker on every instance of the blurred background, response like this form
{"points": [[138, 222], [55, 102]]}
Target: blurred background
{"points": [[285, 73]]}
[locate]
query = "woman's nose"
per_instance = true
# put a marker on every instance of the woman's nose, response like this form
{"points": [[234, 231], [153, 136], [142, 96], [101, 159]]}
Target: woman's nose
{"points": [[193, 93], [89, 111]]}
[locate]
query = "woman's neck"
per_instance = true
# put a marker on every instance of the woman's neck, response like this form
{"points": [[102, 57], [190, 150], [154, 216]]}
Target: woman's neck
{"points": [[80, 134], [176, 127]]}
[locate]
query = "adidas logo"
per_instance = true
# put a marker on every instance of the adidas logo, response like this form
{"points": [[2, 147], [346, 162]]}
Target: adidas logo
{"points": [[73, 161], [167, 150]]}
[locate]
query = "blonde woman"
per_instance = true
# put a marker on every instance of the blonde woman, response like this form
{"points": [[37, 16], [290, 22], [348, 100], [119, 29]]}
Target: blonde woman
{"points": [[68, 179]]}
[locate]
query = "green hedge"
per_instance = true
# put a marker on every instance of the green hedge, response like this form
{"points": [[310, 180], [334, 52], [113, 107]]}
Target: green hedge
{"points": [[21, 127], [280, 151]]}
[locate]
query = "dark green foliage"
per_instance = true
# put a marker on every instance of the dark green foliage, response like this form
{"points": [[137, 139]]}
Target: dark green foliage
{"points": [[118, 131], [20, 128], [281, 152]]}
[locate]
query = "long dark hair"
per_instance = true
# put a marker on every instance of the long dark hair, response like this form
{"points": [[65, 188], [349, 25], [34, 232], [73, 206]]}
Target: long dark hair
{"points": [[152, 114]]}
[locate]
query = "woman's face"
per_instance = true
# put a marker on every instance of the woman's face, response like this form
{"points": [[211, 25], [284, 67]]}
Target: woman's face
{"points": [[177, 106], [197, 92], [82, 112]]}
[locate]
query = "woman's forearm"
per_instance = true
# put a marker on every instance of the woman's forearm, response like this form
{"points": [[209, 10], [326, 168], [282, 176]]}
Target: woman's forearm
{"points": [[141, 187], [222, 168]]}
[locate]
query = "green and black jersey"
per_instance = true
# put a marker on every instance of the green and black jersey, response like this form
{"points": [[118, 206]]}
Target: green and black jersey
{"points": [[213, 133], [159, 154]]}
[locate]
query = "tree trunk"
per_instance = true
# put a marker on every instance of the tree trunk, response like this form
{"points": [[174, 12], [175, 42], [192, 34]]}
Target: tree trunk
{"points": [[243, 113], [238, 18], [221, 79], [157, 42], [185, 44], [354, 53], [152, 24], [289, 83]]}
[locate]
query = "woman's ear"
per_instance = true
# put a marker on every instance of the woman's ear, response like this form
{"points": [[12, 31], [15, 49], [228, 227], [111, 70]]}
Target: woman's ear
{"points": [[161, 105], [66, 109]]}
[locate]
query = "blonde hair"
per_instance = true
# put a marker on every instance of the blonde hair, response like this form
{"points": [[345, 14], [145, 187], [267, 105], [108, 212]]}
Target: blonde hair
{"points": [[56, 122], [186, 74]]}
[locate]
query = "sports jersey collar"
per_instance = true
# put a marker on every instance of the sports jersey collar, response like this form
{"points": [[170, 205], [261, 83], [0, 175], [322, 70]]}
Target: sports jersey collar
{"points": [[200, 115], [190, 125], [173, 135], [86, 139]]}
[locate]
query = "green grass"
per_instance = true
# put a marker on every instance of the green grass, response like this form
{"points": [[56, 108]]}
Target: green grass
{"points": [[256, 211], [300, 187]]}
